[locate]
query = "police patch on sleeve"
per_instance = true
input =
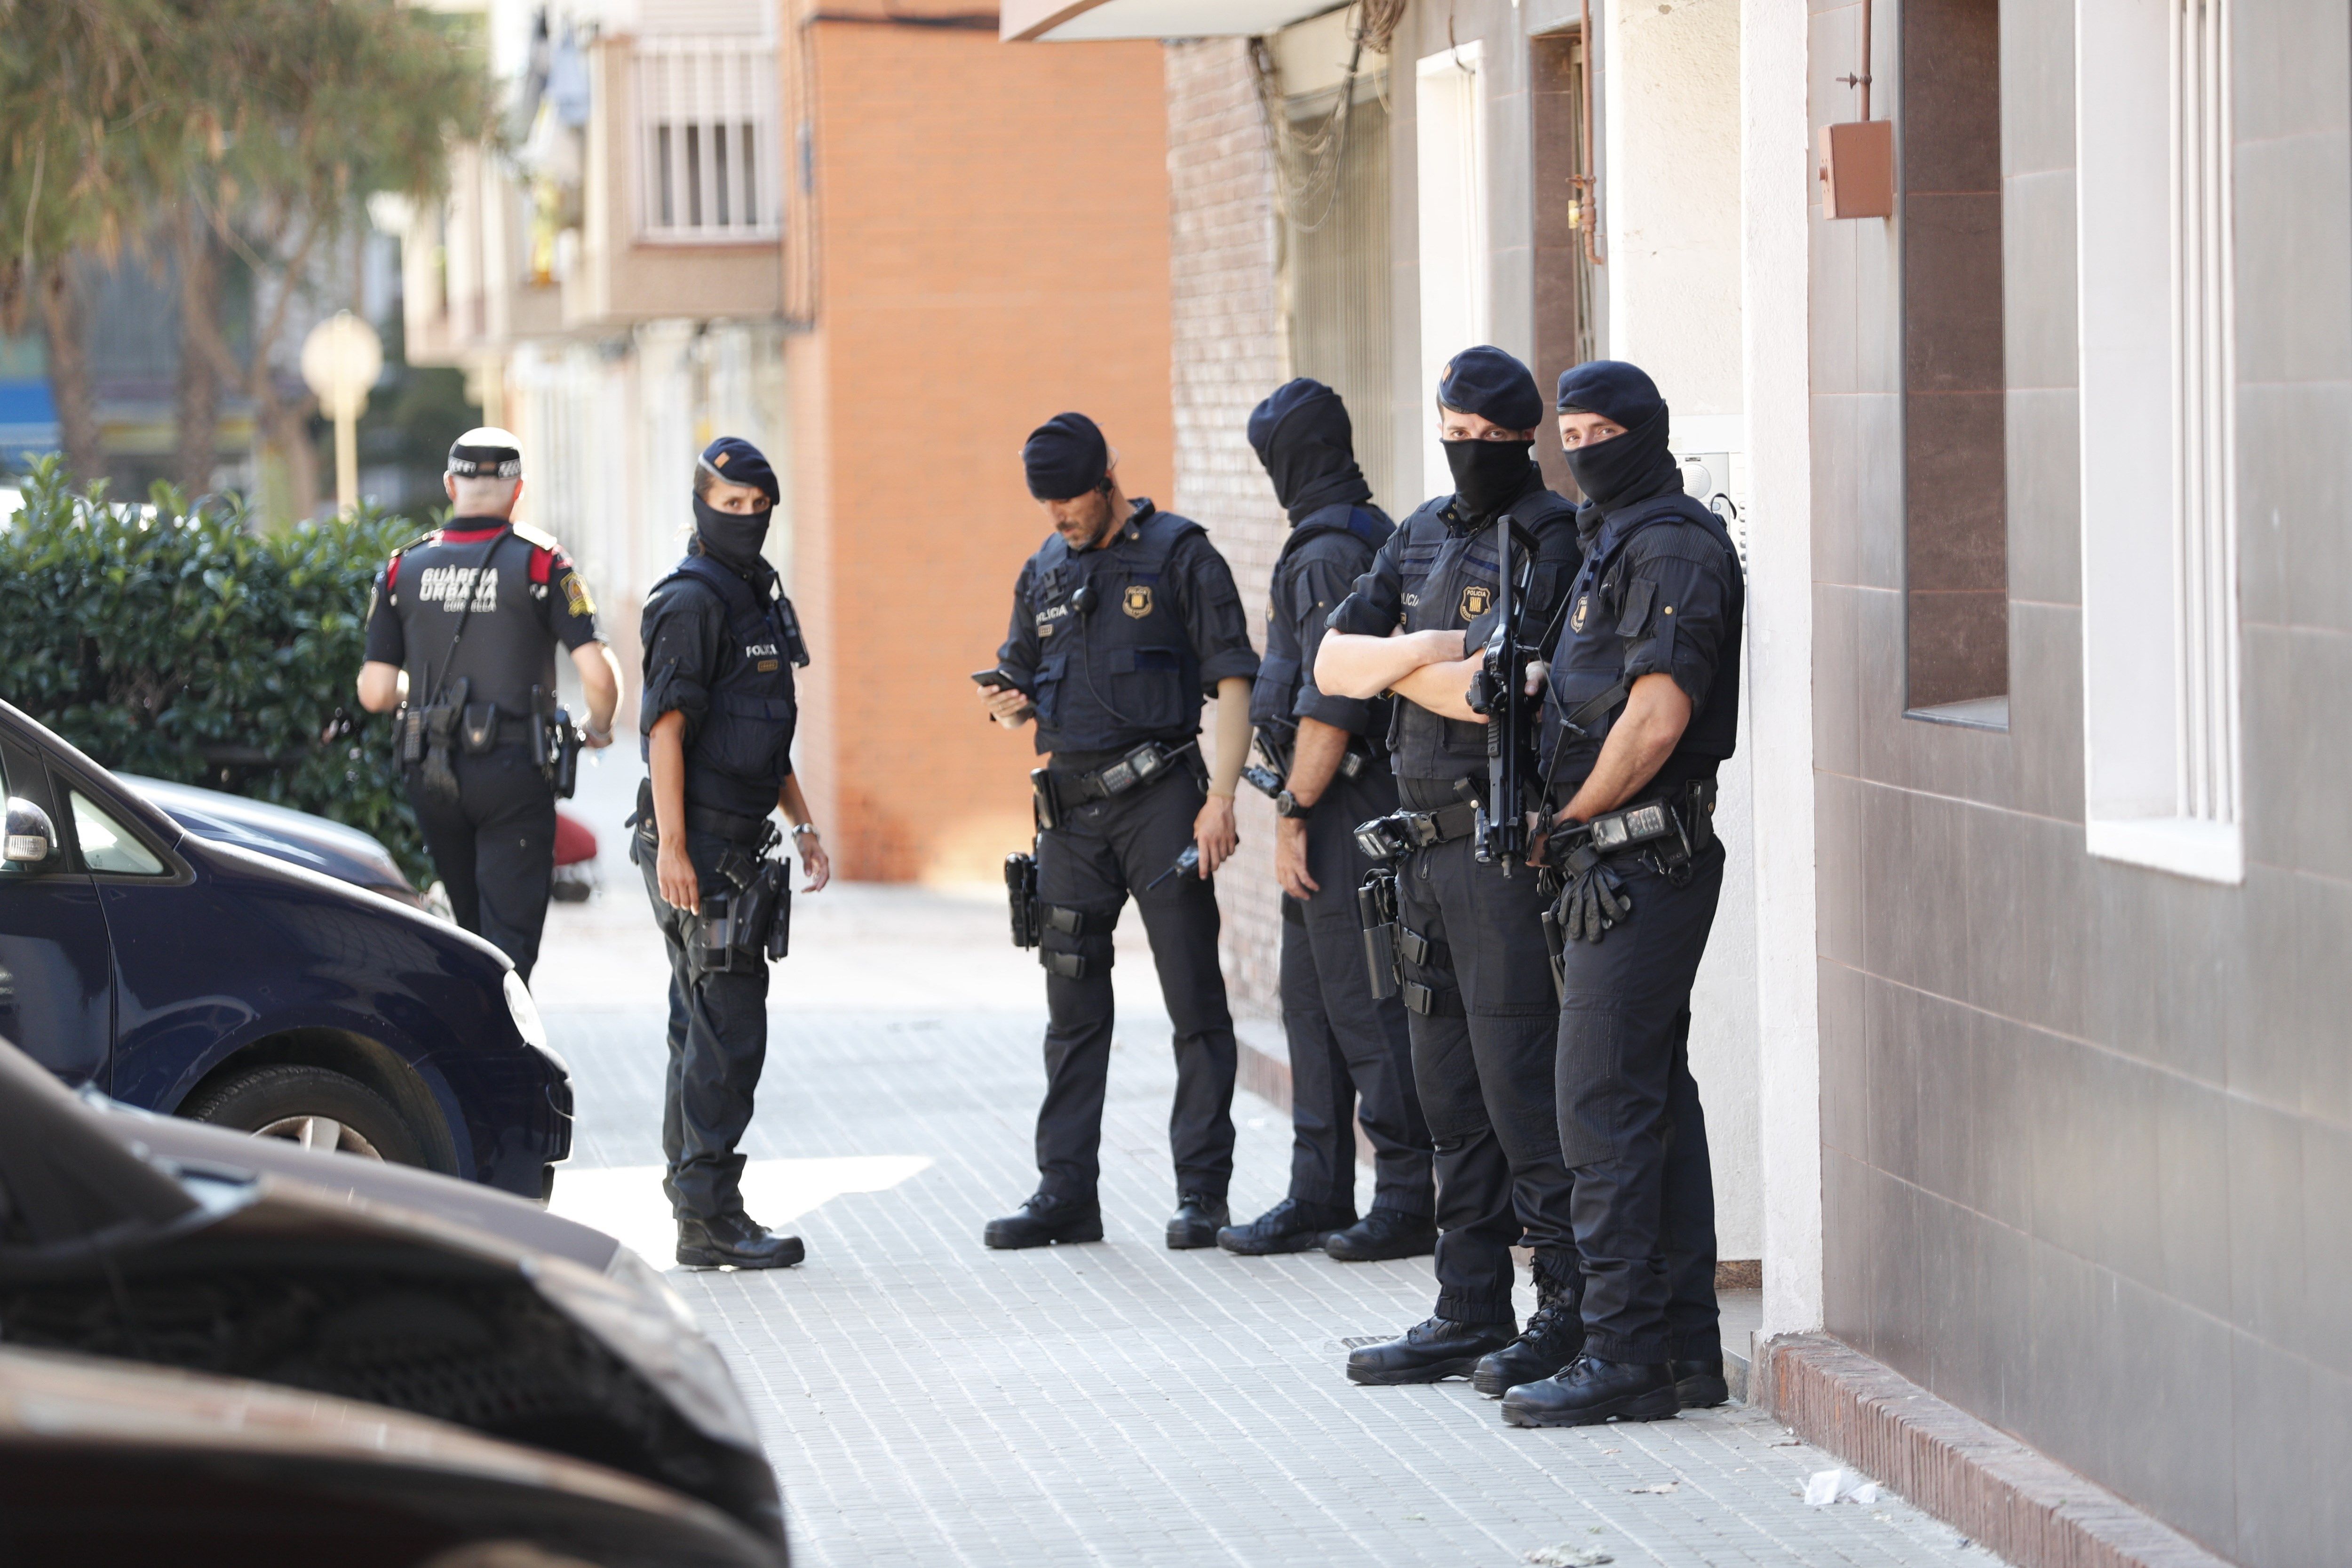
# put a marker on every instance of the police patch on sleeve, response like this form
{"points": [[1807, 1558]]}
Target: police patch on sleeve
{"points": [[575, 596], [1137, 600], [1477, 600]]}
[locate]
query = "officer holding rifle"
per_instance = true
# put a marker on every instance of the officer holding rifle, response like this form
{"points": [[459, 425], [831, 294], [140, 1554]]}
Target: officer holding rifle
{"points": [[461, 638], [719, 708], [1326, 775], [1455, 913], [1123, 622], [1641, 705]]}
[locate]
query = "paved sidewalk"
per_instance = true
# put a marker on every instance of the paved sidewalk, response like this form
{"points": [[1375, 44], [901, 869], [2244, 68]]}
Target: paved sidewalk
{"points": [[926, 1401]]}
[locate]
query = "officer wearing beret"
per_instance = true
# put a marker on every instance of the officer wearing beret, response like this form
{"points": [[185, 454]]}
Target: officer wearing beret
{"points": [[461, 637], [1345, 1045], [1641, 705], [1476, 977], [1124, 622], [719, 708]]}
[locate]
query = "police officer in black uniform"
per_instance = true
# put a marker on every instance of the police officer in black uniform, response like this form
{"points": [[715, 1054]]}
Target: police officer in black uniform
{"points": [[1123, 622], [461, 637], [718, 712], [1477, 976], [1344, 1043], [1641, 704]]}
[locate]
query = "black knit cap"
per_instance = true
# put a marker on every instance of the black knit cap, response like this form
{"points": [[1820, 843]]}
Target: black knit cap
{"points": [[737, 461], [1620, 392], [1494, 386], [1064, 458], [485, 452]]}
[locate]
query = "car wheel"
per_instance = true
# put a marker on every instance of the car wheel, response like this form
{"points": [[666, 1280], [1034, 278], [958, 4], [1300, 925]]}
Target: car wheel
{"points": [[314, 1107]]}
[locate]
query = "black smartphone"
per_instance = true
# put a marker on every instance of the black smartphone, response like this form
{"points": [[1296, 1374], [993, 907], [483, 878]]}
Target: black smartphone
{"points": [[995, 680]]}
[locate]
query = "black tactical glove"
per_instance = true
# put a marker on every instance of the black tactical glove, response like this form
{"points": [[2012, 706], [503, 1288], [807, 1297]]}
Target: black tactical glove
{"points": [[1594, 899]]}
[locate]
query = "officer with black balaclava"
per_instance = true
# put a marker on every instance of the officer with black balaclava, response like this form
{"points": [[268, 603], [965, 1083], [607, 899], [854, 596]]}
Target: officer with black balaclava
{"points": [[722, 644], [1346, 1045], [1641, 705], [1475, 975], [1123, 622], [461, 637]]}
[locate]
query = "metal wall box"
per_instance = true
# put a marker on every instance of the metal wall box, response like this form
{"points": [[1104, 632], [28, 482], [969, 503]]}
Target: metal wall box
{"points": [[1858, 169]]}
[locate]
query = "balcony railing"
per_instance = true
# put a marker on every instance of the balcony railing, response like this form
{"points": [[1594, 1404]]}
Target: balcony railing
{"points": [[706, 152]]}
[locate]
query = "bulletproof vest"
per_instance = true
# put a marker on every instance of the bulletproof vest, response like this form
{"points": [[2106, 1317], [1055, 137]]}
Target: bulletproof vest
{"points": [[746, 734], [1608, 614], [1115, 665], [506, 648], [1449, 580], [1279, 675]]}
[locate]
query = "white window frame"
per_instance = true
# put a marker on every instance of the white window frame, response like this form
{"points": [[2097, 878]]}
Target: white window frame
{"points": [[2154, 239], [1450, 158], [730, 81]]}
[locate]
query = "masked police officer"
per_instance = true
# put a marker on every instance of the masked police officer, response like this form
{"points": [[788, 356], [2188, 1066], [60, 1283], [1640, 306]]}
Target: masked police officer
{"points": [[1476, 977], [461, 637], [719, 708], [1123, 622], [1641, 704], [1344, 1043]]}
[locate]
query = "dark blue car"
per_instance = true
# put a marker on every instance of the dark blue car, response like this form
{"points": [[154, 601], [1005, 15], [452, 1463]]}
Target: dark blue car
{"points": [[184, 975]]}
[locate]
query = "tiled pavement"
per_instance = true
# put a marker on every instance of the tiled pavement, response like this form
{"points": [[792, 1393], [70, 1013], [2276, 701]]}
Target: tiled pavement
{"points": [[926, 1401]]}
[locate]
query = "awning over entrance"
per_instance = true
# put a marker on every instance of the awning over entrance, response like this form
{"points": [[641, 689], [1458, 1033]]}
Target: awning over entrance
{"points": [[1072, 21]]}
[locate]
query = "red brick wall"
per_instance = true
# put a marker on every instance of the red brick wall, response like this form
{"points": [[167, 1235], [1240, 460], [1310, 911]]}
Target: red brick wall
{"points": [[1229, 351], [988, 246]]}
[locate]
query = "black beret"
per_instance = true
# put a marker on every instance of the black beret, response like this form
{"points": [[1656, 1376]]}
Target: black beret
{"points": [[736, 461], [1494, 386], [1066, 457], [1620, 392], [485, 452]]}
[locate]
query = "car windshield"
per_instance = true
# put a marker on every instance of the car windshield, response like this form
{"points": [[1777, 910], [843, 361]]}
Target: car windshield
{"points": [[106, 844]]}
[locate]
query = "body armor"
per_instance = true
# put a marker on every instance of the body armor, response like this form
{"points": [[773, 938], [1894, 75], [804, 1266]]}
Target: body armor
{"points": [[506, 650], [1274, 695], [747, 731], [1115, 665]]}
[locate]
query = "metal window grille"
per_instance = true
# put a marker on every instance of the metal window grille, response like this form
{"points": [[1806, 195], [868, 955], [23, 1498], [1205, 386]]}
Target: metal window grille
{"points": [[2204, 487], [708, 161]]}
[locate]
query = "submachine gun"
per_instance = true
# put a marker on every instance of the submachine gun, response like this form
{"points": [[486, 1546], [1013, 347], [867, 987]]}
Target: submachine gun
{"points": [[1498, 690]]}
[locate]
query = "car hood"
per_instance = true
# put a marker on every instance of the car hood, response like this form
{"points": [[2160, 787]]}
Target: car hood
{"points": [[298, 837]]}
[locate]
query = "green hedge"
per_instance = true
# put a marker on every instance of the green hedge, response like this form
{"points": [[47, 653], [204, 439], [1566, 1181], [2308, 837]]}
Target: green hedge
{"points": [[189, 645]]}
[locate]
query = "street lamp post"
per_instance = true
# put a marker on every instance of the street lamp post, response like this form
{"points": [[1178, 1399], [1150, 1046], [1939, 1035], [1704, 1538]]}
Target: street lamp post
{"points": [[341, 360]]}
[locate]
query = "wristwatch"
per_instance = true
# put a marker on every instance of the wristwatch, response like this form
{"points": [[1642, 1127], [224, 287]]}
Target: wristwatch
{"points": [[1290, 806], [800, 828]]}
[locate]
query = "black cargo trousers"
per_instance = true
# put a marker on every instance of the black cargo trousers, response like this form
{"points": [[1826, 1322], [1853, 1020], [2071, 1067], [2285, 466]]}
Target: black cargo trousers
{"points": [[1350, 1055], [1102, 853], [718, 1044], [1483, 1060], [1630, 1124], [494, 846]]}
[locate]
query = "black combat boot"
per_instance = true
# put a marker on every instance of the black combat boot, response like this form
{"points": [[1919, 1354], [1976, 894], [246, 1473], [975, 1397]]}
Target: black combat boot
{"points": [[1555, 1333], [1429, 1352], [1589, 1392], [1290, 1225], [1045, 1220], [735, 1241], [1196, 1221], [1699, 1385], [1384, 1233]]}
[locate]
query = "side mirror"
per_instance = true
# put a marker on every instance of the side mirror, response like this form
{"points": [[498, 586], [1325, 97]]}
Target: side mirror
{"points": [[32, 837]]}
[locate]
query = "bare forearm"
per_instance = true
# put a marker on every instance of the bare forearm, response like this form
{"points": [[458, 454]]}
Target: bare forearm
{"points": [[1638, 745], [665, 756], [1444, 689], [1315, 760], [1350, 664], [1232, 736], [600, 683], [793, 804], [382, 685]]}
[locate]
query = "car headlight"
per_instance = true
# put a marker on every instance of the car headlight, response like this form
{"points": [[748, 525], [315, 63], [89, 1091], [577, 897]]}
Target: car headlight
{"points": [[632, 1311], [525, 1012]]}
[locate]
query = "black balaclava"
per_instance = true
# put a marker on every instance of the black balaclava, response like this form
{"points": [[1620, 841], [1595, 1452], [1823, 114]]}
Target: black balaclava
{"points": [[1302, 435], [735, 538], [1490, 475], [1635, 467]]}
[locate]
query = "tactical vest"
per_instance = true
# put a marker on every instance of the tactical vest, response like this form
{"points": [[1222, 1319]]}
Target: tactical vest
{"points": [[1606, 616], [1449, 581], [1274, 693], [1116, 663], [506, 648], [747, 733]]}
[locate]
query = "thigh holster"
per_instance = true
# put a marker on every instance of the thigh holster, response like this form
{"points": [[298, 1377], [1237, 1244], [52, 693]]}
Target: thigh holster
{"points": [[1430, 1001], [1072, 943]]}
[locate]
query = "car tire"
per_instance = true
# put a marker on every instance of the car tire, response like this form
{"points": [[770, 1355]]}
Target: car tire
{"points": [[311, 1106]]}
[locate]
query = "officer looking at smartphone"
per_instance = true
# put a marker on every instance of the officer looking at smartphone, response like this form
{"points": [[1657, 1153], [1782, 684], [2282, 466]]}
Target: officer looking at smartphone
{"points": [[1124, 622], [719, 708]]}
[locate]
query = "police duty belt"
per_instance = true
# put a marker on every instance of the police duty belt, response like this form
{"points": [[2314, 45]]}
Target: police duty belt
{"points": [[1399, 833], [1144, 764]]}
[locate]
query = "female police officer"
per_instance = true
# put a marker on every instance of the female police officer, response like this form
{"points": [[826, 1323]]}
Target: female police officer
{"points": [[720, 642]]}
